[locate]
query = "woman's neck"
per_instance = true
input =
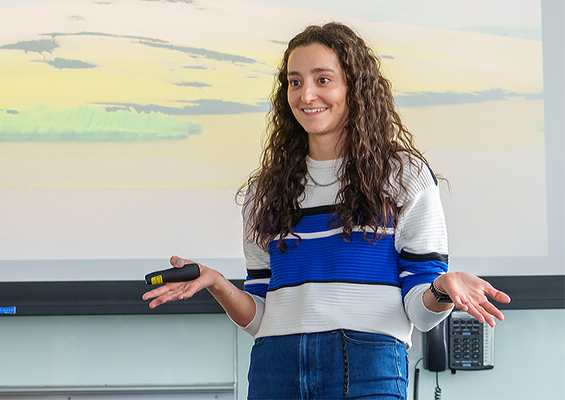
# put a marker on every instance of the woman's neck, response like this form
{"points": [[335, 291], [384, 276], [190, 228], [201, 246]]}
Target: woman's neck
{"points": [[324, 149]]}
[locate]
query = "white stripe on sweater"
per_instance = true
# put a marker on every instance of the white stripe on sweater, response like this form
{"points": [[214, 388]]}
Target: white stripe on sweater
{"points": [[315, 307], [332, 232]]}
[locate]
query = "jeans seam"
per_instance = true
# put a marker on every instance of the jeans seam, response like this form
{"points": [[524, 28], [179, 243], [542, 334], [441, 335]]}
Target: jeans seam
{"points": [[398, 373], [302, 366]]}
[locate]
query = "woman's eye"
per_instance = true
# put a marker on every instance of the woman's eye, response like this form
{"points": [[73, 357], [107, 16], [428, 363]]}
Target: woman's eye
{"points": [[324, 80], [294, 82]]}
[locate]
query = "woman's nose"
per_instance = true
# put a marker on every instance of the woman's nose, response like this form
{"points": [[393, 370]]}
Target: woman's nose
{"points": [[308, 93]]}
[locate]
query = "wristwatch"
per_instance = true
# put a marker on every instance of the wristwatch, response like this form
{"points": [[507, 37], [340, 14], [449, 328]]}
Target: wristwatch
{"points": [[440, 296]]}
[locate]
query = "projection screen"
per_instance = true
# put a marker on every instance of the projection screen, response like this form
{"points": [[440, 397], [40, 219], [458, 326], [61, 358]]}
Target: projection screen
{"points": [[127, 127]]}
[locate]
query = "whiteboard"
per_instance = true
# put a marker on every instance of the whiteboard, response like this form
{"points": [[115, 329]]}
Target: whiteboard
{"points": [[113, 351]]}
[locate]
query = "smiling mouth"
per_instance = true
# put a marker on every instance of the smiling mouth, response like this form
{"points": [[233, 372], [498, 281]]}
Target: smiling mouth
{"points": [[313, 110]]}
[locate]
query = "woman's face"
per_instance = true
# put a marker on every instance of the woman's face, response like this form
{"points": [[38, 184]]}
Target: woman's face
{"points": [[317, 95]]}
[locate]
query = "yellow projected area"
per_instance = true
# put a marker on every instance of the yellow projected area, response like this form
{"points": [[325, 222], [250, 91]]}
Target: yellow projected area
{"points": [[120, 102]]}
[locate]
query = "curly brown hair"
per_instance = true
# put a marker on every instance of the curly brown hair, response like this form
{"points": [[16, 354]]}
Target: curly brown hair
{"points": [[373, 138]]}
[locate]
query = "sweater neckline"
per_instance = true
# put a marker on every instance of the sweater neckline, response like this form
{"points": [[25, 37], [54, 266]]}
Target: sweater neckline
{"points": [[327, 165]]}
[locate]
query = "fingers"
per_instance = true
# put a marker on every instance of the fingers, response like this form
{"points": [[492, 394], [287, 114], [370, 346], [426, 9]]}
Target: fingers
{"points": [[489, 310], [165, 292], [480, 314], [156, 292], [172, 295], [172, 291], [492, 310], [480, 308], [459, 303], [160, 300], [501, 297], [484, 316], [483, 312], [495, 294], [475, 312], [177, 262]]}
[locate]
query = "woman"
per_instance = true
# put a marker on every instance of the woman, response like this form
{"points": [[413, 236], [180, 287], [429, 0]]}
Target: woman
{"points": [[345, 243]]}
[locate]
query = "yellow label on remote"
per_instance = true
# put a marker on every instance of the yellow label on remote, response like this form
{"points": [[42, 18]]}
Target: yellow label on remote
{"points": [[157, 280]]}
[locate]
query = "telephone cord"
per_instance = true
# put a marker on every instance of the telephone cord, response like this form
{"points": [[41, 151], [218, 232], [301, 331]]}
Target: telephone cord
{"points": [[417, 379], [437, 393]]}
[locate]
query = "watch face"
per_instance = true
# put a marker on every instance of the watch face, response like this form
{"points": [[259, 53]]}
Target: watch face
{"points": [[444, 299]]}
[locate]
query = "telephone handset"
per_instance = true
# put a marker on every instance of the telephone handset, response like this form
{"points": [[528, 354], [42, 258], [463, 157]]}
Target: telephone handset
{"points": [[459, 343], [435, 350]]}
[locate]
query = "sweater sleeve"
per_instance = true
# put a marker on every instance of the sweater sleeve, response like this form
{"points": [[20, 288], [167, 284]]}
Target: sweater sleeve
{"points": [[422, 318], [258, 274], [421, 241]]}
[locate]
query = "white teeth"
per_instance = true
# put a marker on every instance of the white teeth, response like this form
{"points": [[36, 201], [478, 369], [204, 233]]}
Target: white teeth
{"points": [[313, 110]]}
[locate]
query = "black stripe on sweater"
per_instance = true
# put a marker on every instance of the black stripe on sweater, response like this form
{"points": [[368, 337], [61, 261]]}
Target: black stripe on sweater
{"points": [[258, 273], [306, 212], [424, 257]]}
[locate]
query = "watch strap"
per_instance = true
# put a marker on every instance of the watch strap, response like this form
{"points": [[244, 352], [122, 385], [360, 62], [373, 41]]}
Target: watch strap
{"points": [[441, 297]]}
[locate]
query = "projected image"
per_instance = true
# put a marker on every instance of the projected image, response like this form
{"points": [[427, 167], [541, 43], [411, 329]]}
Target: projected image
{"points": [[127, 126]]}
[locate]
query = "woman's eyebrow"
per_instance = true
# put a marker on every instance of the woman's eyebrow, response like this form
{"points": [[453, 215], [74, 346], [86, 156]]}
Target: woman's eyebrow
{"points": [[314, 70], [322, 69]]}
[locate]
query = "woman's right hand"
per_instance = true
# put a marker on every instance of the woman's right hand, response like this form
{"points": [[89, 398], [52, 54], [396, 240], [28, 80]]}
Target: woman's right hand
{"points": [[238, 304], [173, 291]]}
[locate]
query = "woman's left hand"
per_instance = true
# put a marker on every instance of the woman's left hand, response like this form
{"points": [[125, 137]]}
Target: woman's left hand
{"points": [[470, 293]]}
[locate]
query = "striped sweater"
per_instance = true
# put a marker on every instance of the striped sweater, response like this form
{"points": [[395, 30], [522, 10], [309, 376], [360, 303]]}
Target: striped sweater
{"points": [[326, 283]]}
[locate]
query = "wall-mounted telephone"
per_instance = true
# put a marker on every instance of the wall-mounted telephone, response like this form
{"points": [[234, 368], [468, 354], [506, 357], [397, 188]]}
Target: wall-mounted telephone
{"points": [[459, 343]]}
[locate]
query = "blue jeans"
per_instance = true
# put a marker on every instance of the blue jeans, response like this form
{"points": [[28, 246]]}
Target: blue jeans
{"points": [[328, 365]]}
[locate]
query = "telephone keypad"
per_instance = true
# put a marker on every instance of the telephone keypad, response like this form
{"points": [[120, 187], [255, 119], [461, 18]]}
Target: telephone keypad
{"points": [[465, 334]]}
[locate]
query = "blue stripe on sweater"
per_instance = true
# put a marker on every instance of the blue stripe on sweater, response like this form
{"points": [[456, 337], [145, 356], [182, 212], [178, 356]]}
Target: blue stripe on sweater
{"points": [[314, 223], [420, 272], [332, 259], [260, 289]]}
